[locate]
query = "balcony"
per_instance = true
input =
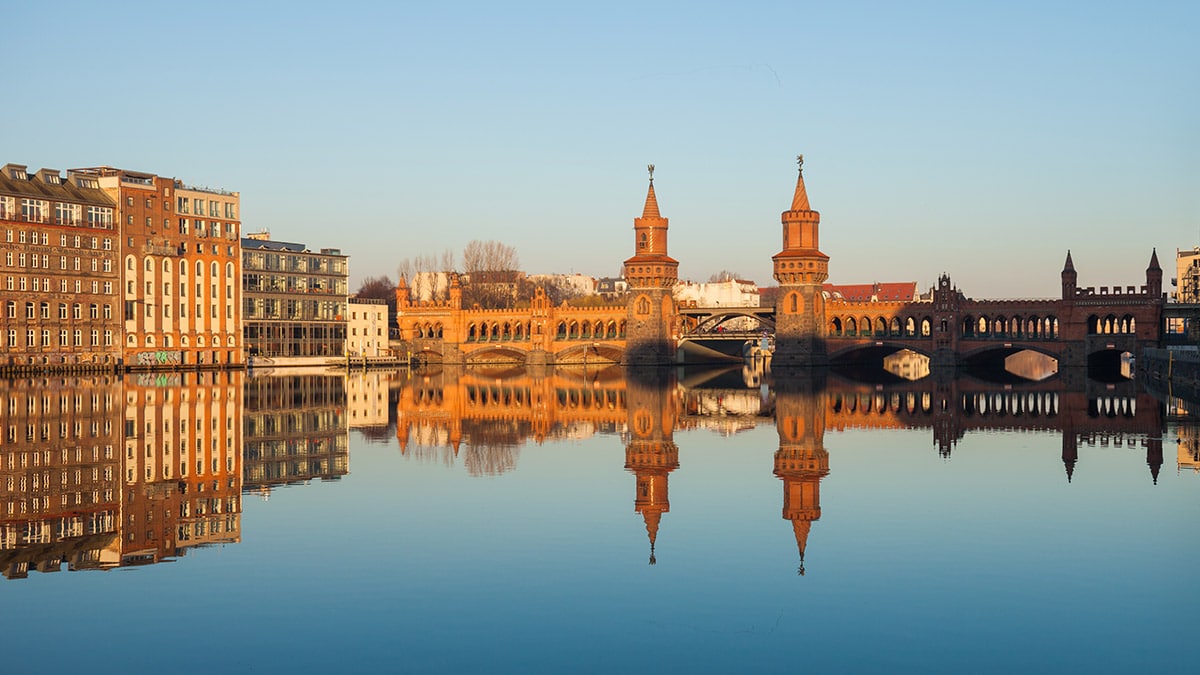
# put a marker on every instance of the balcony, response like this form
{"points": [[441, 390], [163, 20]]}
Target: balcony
{"points": [[162, 249]]}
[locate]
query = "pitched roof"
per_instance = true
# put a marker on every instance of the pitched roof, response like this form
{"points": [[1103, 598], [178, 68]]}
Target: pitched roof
{"points": [[876, 292]]}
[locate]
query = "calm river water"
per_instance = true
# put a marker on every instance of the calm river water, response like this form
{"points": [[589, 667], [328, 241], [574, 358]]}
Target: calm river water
{"points": [[595, 521]]}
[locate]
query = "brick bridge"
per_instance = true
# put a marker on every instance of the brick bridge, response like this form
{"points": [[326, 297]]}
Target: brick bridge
{"points": [[1084, 326]]}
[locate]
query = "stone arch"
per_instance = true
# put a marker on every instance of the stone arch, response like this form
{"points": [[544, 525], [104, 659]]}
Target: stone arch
{"points": [[835, 327], [926, 326], [851, 326]]}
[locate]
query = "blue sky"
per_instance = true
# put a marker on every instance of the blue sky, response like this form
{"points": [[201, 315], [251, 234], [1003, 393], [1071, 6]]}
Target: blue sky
{"points": [[978, 139]]}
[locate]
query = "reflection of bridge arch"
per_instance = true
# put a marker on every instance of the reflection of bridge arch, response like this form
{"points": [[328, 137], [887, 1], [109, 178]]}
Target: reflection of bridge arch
{"points": [[875, 349], [978, 353]]}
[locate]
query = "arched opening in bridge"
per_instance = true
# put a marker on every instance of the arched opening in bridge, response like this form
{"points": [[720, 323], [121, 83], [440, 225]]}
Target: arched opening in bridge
{"points": [[1031, 365], [1007, 364], [1111, 365], [880, 364], [907, 364]]}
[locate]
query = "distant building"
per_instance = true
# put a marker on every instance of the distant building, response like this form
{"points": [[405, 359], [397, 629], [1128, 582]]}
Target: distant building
{"points": [[903, 291], [571, 285], [367, 327], [727, 293], [61, 272], [1187, 275], [611, 287], [294, 300]]}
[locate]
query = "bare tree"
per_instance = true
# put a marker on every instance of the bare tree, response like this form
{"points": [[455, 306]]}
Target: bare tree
{"points": [[723, 275], [380, 288], [489, 256], [492, 276], [404, 269]]}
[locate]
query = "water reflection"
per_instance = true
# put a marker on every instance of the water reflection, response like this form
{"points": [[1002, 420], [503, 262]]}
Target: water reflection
{"points": [[483, 418], [103, 472], [296, 430]]}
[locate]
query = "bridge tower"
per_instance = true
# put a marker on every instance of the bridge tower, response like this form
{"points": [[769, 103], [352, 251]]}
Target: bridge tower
{"points": [[651, 275], [800, 268], [650, 453], [802, 460]]}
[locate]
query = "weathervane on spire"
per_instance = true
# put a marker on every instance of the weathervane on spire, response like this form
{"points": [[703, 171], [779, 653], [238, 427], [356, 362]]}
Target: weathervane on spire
{"points": [[800, 163], [650, 168]]}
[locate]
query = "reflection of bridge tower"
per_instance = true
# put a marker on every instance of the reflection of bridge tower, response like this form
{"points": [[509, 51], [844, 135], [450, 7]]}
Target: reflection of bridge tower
{"points": [[651, 275], [650, 452], [801, 460], [800, 269]]}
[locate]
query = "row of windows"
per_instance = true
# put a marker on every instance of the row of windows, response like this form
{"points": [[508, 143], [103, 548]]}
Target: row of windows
{"points": [[32, 310], [184, 341], [43, 262], [130, 312], [64, 406], [214, 268], [64, 338], [38, 211], [43, 285], [22, 460], [32, 237], [196, 206], [166, 289]]}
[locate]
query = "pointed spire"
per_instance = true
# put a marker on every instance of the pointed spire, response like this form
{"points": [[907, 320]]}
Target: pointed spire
{"points": [[1070, 466], [800, 199], [801, 528], [652, 519], [1154, 261], [1069, 266], [651, 209]]}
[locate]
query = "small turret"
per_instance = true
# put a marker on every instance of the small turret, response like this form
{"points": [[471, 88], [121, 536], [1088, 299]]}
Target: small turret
{"points": [[1069, 279], [1154, 276]]}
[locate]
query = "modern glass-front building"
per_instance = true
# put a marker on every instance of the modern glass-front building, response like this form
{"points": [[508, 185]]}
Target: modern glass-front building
{"points": [[293, 299]]}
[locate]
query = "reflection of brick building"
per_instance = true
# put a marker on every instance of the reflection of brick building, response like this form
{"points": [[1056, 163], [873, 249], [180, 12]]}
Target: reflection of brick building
{"points": [[295, 430], [59, 473], [650, 451], [801, 460], [183, 441]]}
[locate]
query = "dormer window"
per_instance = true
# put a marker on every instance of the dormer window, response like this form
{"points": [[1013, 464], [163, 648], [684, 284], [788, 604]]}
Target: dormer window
{"points": [[19, 174]]}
